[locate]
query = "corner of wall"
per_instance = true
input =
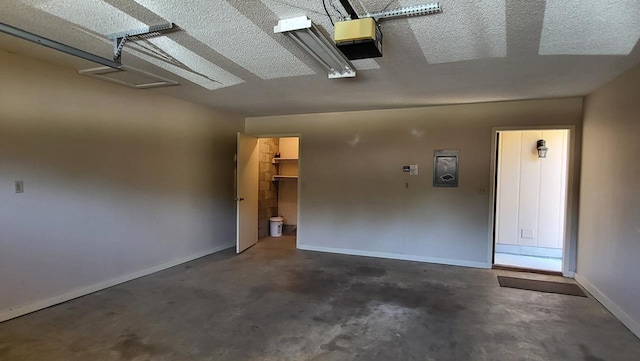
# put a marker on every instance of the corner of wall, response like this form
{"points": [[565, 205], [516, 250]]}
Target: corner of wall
{"points": [[628, 321]]}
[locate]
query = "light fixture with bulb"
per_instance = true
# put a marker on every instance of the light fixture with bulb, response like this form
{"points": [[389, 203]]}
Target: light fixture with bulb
{"points": [[542, 148]]}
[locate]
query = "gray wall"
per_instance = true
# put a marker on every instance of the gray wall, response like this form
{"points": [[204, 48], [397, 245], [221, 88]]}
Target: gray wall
{"points": [[117, 181], [353, 191], [609, 236]]}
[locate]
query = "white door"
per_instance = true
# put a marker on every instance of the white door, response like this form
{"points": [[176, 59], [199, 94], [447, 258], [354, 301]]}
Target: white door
{"points": [[531, 199], [247, 192]]}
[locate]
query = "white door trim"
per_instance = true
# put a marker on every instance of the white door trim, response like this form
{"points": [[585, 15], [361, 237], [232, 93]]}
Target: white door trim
{"points": [[570, 237]]}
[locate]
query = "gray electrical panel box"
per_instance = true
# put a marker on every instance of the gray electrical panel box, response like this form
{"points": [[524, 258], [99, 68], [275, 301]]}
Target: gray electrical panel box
{"points": [[445, 168]]}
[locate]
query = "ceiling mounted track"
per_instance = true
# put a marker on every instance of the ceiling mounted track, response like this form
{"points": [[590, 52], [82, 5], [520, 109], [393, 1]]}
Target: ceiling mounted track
{"points": [[350, 10], [407, 11], [25, 35], [119, 40]]}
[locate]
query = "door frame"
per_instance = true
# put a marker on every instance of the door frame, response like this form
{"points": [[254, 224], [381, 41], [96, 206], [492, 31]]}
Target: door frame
{"points": [[299, 181], [569, 243]]}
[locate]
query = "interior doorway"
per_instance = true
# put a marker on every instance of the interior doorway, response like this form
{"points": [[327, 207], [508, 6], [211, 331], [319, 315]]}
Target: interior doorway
{"points": [[267, 190], [531, 198], [278, 191]]}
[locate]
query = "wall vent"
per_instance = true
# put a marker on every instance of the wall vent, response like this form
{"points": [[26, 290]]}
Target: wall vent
{"points": [[128, 76]]}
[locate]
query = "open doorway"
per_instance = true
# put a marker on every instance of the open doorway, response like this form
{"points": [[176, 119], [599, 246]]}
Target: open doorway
{"points": [[278, 192], [531, 199]]}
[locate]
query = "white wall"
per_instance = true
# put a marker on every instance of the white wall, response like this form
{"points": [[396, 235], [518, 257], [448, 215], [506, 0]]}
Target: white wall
{"points": [[288, 189], [354, 196], [609, 236], [118, 182], [531, 191]]}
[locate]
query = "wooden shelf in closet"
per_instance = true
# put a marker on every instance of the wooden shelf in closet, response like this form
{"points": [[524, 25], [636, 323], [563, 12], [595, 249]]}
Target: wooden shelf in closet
{"points": [[280, 160], [279, 177]]}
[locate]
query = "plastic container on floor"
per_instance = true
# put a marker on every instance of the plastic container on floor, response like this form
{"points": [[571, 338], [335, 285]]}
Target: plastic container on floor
{"points": [[275, 226]]}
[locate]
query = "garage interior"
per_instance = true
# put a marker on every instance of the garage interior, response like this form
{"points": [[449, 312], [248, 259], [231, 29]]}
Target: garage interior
{"points": [[121, 206]]}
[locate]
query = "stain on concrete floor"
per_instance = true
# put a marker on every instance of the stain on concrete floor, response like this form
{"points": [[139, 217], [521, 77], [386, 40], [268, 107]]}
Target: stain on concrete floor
{"points": [[278, 303]]}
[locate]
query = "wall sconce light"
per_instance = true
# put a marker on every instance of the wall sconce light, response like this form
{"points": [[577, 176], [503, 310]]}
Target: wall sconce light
{"points": [[542, 148]]}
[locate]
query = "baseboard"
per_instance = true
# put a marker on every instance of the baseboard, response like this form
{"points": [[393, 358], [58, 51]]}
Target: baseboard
{"points": [[18, 311], [399, 256], [631, 324]]}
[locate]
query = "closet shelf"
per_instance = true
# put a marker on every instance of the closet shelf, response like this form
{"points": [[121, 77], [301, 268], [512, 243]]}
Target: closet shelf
{"points": [[278, 177], [278, 160]]}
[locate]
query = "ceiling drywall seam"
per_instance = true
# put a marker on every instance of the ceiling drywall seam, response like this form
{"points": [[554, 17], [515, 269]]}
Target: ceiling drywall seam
{"points": [[229, 32], [199, 66], [182, 37]]}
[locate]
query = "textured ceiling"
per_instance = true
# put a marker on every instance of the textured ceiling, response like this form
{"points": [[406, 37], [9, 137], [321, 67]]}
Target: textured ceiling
{"points": [[227, 56]]}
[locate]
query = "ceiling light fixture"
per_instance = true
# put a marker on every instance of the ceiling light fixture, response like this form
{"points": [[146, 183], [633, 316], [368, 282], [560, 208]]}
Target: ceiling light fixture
{"points": [[309, 38]]}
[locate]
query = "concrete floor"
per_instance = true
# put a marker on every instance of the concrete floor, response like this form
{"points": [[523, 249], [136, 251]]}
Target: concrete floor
{"points": [[276, 303]]}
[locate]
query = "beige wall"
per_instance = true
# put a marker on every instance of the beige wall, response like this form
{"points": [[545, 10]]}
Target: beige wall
{"points": [[117, 181], [531, 191], [356, 199], [609, 237]]}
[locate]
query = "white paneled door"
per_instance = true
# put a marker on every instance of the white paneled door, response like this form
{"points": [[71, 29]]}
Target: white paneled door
{"points": [[246, 192]]}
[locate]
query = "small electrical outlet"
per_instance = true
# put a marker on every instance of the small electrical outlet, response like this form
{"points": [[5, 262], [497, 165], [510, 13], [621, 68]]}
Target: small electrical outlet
{"points": [[19, 186]]}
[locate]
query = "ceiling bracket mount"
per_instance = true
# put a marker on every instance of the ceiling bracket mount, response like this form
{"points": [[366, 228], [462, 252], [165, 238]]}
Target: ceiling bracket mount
{"points": [[118, 46], [147, 32], [407, 11]]}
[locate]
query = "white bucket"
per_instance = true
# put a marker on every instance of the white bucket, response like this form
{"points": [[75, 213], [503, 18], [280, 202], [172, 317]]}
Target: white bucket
{"points": [[275, 229]]}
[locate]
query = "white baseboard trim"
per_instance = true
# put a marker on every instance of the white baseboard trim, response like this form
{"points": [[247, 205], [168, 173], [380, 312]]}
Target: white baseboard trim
{"points": [[631, 324], [399, 256], [18, 311]]}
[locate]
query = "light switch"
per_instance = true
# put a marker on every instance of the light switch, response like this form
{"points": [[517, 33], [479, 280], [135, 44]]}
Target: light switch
{"points": [[19, 186]]}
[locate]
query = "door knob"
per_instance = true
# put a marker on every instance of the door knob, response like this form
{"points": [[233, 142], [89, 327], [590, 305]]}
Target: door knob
{"points": [[239, 199]]}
